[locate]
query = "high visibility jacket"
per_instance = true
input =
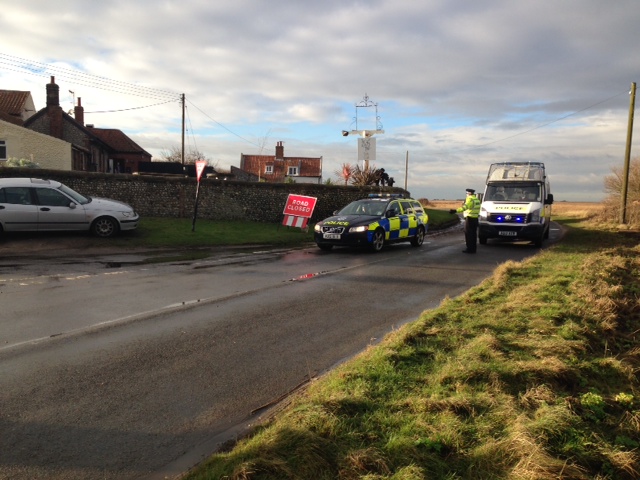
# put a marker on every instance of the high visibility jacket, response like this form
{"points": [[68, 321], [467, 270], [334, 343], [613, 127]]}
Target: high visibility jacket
{"points": [[470, 207]]}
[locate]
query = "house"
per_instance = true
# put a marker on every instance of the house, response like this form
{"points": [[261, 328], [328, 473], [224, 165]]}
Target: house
{"points": [[278, 168], [93, 149], [19, 142], [16, 106]]}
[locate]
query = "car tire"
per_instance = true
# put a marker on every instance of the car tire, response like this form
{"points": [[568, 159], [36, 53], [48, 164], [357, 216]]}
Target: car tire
{"points": [[378, 240], [418, 239], [104, 227], [326, 248]]}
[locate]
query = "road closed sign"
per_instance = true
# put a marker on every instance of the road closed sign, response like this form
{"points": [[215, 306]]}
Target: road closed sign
{"points": [[300, 206]]}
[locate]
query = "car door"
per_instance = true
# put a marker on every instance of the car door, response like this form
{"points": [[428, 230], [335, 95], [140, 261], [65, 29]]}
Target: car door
{"points": [[18, 212], [407, 219], [393, 215], [56, 211]]}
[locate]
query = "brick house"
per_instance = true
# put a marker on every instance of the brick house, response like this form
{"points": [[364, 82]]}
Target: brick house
{"points": [[94, 149], [278, 168]]}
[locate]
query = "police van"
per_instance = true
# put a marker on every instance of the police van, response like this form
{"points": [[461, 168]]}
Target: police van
{"points": [[516, 204], [374, 222]]}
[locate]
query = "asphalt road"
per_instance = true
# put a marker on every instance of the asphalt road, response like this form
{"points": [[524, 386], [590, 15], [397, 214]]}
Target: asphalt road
{"points": [[113, 369]]}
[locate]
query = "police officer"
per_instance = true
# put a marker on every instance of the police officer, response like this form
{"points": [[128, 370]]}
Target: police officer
{"points": [[471, 211]]}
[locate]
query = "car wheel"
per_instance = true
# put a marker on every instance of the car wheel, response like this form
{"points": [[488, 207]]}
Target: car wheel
{"points": [[378, 240], [418, 240], [326, 248], [482, 240], [104, 227]]}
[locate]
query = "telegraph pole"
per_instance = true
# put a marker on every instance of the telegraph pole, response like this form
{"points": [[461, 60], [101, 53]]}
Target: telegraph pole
{"points": [[182, 102], [627, 156]]}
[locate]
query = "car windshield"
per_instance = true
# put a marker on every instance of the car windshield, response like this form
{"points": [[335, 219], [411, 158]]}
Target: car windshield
{"points": [[510, 192], [364, 207], [79, 199]]}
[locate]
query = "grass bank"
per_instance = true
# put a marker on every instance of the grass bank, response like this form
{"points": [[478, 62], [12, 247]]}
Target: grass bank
{"points": [[530, 375]]}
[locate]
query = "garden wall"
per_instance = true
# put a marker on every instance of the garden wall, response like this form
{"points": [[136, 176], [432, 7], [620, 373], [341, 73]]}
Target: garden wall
{"points": [[174, 196]]}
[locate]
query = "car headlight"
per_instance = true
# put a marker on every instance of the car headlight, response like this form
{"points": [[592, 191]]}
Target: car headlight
{"points": [[535, 216], [483, 213], [317, 227], [127, 214], [360, 229]]}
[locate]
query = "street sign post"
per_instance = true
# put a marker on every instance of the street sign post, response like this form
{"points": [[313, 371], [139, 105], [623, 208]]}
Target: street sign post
{"points": [[200, 165]]}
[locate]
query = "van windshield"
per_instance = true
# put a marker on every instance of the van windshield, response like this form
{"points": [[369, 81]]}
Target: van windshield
{"points": [[514, 192]]}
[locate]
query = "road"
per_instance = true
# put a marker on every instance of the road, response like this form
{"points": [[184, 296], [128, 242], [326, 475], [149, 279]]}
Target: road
{"points": [[114, 369]]}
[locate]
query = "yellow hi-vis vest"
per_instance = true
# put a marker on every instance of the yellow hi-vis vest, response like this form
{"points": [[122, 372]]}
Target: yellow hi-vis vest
{"points": [[470, 207]]}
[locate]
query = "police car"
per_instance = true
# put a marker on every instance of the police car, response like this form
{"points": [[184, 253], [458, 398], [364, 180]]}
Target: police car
{"points": [[374, 222]]}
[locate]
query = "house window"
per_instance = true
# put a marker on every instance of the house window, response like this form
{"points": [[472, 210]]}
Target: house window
{"points": [[268, 169], [3, 150], [292, 171]]}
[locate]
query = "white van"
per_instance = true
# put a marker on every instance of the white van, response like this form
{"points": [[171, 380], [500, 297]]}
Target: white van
{"points": [[516, 204]]}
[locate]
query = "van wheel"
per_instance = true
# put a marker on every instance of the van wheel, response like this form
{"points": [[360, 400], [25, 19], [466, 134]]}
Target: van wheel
{"points": [[482, 240], [418, 240], [378, 240]]}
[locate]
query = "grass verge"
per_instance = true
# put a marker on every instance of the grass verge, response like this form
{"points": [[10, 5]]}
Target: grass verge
{"points": [[530, 375]]}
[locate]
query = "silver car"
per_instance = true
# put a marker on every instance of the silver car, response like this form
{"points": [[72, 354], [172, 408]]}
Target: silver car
{"points": [[33, 204]]}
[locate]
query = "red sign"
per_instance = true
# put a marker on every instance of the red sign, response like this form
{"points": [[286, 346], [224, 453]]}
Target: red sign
{"points": [[200, 164], [300, 206]]}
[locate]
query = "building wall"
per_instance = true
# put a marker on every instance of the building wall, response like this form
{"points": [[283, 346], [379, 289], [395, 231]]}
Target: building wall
{"points": [[154, 196], [47, 151]]}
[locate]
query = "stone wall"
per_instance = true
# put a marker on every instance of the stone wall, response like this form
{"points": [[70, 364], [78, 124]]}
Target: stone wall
{"points": [[174, 196]]}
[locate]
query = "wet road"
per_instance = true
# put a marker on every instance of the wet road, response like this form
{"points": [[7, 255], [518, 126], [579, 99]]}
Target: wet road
{"points": [[112, 369]]}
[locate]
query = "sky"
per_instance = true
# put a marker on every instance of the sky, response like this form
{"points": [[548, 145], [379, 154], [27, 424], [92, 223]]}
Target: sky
{"points": [[456, 85]]}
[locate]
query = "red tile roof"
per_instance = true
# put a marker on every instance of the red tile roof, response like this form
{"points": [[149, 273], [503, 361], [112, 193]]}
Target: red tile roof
{"points": [[117, 140], [12, 102]]}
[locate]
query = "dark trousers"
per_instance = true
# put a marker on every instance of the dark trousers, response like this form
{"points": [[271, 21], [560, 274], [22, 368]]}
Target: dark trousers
{"points": [[471, 233]]}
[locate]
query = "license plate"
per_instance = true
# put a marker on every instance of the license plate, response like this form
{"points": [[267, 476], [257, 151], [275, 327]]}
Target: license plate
{"points": [[331, 236], [507, 233]]}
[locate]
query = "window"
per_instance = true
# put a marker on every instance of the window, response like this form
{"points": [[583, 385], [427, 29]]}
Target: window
{"points": [[292, 171], [18, 195], [268, 169], [3, 150], [52, 198]]}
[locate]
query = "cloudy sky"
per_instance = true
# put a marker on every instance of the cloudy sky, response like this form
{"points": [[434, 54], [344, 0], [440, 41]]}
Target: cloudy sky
{"points": [[457, 84]]}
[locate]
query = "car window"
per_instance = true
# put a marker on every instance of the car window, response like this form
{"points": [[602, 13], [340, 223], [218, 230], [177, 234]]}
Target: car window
{"points": [[17, 195], [417, 207], [51, 197], [394, 206], [3, 197]]}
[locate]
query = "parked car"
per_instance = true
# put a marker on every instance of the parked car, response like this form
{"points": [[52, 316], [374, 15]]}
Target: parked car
{"points": [[374, 222], [33, 204]]}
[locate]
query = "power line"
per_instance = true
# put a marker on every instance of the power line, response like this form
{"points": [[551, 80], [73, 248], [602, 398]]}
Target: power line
{"points": [[221, 125], [82, 78]]}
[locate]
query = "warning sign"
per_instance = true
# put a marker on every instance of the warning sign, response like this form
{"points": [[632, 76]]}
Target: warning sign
{"points": [[200, 164], [300, 206]]}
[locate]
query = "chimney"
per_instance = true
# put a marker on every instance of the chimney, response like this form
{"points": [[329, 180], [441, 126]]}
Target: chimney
{"points": [[53, 93], [279, 151], [78, 112], [54, 110]]}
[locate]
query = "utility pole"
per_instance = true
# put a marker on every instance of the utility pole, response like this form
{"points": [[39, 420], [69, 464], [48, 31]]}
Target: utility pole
{"points": [[182, 102], [406, 170], [627, 156]]}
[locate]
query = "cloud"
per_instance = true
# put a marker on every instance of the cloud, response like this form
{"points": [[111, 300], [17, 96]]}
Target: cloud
{"points": [[458, 84]]}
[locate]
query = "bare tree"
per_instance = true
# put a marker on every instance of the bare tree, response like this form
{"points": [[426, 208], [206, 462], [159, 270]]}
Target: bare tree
{"points": [[190, 157], [613, 187]]}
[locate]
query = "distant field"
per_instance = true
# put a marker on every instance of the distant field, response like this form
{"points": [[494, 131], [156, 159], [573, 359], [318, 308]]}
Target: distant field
{"points": [[571, 209]]}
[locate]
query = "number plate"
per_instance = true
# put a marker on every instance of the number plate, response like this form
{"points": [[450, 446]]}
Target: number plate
{"points": [[331, 236], [506, 233]]}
